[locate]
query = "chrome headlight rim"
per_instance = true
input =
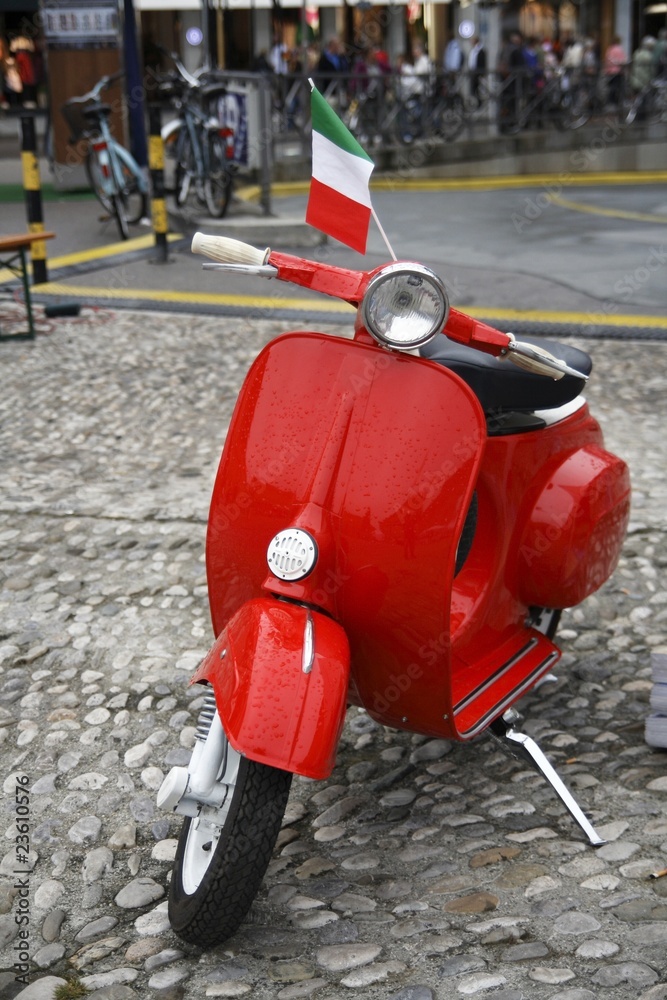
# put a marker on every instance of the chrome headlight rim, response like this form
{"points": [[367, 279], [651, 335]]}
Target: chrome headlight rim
{"points": [[389, 273]]}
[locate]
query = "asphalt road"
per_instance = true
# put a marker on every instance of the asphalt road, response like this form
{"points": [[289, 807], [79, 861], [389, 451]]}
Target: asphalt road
{"points": [[584, 252]]}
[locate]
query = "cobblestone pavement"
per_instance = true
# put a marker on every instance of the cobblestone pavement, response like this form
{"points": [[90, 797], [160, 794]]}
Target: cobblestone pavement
{"points": [[459, 874]]}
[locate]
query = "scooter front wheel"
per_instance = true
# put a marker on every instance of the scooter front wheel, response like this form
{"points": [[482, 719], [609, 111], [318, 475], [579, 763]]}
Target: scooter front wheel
{"points": [[219, 865]]}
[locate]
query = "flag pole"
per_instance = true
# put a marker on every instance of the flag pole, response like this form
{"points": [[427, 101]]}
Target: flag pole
{"points": [[383, 234]]}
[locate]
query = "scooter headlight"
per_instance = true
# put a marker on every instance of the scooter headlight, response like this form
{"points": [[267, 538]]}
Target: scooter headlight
{"points": [[405, 305]]}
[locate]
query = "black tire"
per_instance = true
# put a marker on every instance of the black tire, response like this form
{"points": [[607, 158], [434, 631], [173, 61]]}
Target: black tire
{"points": [[655, 106], [450, 118], [218, 184], [579, 109], [118, 203], [410, 124], [136, 201], [94, 175], [215, 909], [185, 170]]}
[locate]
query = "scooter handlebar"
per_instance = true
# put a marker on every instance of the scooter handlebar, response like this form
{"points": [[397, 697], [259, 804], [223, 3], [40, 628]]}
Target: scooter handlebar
{"points": [[536, 359], [228, 251]]}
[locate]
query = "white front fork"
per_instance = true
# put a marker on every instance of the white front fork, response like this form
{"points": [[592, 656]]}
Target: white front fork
{"points": [[207, 780]]}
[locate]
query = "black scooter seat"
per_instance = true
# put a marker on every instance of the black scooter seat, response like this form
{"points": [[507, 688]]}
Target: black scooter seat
{"points": [[500, 385]]}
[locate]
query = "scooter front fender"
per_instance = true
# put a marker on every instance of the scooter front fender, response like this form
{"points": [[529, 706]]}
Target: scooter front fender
{"points": [[280, 675]]}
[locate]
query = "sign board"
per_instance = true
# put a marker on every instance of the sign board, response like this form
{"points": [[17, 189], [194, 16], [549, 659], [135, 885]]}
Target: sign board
{"points": [[81, 24], [239, 110]]}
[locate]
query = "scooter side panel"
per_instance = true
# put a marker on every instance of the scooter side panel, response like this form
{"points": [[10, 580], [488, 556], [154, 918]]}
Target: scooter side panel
{"points": [[573, 537], [279, 703], [375, 453]]}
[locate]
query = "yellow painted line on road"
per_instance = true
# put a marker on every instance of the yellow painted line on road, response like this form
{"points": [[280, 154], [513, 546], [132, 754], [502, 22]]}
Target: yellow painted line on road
{"points": [[98, 253], [574, 318], [110, 250], [607, 213], [278, 303], [284, 189]]}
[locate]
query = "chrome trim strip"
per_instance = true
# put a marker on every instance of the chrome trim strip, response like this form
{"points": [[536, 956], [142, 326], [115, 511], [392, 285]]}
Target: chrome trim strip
{"points": [[559, 413], [511, 697], [485, 685], [308, 655]]}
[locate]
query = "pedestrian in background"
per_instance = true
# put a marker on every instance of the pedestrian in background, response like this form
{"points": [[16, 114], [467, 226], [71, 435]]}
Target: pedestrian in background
{"points": [[660, 54], [512, 69], [642, 71], [476, 69], [452, 61], [615, 59], [10, 77]]}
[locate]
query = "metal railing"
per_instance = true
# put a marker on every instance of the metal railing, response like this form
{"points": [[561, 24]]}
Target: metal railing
{"points": [[392, 110]]}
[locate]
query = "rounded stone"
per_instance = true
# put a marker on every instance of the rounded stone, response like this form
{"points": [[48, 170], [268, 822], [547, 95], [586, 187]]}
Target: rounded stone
{"points": [[48, 894], [478, 902], [375, 973], [635, 973], [552, 977], [95, 928], [478, 983], [98, 862], [53, 921], [339, 957], [49, 954], [597, 949], [139, 892], [576, 923], [87, 829]]}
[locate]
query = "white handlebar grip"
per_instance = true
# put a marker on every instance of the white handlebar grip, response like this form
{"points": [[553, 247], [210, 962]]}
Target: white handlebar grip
{"points": [[228, 251]]}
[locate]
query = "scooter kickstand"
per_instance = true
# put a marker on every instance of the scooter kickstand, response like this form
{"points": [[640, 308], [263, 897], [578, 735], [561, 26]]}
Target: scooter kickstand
{"points": [[521, 745]]}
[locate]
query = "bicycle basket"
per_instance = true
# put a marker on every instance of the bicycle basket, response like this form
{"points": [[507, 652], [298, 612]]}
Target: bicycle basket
{"points": [[73, 113]]}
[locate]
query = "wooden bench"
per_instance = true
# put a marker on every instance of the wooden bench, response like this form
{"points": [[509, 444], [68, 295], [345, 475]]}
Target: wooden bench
{"points": [[13, 256]]}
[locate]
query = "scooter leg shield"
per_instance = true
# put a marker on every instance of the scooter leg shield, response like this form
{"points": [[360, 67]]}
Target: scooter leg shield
{"points": [[280, 676]]}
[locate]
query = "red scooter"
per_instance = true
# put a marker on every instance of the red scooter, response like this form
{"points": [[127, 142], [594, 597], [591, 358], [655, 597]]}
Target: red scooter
{"points": [[397, 521]]}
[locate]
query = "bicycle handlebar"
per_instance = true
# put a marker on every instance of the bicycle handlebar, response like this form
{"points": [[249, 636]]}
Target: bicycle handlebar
{"points": [[101, 85], [185, 74]]}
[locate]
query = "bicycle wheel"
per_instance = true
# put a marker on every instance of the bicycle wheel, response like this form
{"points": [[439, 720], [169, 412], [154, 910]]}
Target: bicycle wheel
{"points": [[135, 200], [410, 124], [579, 110], [218, 183], [449, 117], [656, 104], [95, 177], [185, 169], [119, 211], [222, 857]]}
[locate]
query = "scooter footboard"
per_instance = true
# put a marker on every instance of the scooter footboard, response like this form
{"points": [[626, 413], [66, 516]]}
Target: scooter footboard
{"points": [[280, 674]]}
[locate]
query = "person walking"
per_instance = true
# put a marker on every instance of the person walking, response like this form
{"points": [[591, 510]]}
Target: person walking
{"points": [[660, 55], [476, 69], [512, 69], [642, 71], [615, 59]]}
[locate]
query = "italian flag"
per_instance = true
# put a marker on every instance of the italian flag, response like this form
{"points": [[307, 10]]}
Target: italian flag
{"points": [[339, 203]]}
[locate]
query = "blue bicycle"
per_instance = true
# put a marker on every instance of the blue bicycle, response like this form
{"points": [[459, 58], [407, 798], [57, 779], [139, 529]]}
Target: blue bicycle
{"points": [[201, 147], [119, 183]]}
